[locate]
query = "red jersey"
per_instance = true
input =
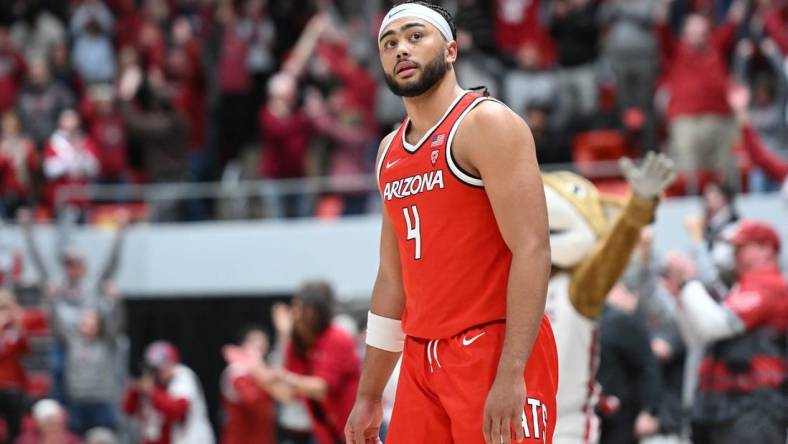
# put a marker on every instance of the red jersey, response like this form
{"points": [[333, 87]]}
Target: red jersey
{"points": [[455, 263], [249, 408], [13, 346], [332, 358], [760, 300], [157, 414]]}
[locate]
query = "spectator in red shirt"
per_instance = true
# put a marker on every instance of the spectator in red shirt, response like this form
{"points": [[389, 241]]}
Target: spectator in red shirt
{"points": [[69, 159], [358, 83], [702, 132], [185, 73], [129, 22], [321, 363], [108, 130], [344, 124], [19, 164], [772, 164], [12, 70], [168, 400], [149, 38], [741, 396], [515, 22], [245, 386], [775, 19], [286, 132], [50, 425], [13, 345], [235, 83]]}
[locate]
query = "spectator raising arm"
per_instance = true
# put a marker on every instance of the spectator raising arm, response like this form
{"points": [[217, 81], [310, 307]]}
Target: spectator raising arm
{"points": [[111, 267], [707, 321], [305, 46], [774, 24], [25, 219], [772, 164]]}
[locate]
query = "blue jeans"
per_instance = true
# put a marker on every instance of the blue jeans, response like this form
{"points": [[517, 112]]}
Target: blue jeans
{"points": [[57, 362], [83, 416]]}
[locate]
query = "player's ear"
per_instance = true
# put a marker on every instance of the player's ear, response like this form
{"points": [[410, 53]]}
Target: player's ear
{"points": [[451, 51]]}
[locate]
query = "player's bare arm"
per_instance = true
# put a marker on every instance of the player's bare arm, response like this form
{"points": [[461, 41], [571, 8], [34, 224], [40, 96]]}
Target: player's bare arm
{"points": [[388, 301], [495, 144]]}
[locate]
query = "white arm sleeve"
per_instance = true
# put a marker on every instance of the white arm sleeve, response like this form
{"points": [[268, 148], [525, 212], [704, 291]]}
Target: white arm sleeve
{"points": [[702, 320], [385, 333]]}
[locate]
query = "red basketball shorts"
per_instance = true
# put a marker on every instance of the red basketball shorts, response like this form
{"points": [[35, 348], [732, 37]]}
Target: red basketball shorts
{"points": [[443, 386]]}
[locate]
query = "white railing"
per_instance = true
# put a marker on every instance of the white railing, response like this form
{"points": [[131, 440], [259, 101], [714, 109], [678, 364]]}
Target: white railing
{"points": [[235, 195]]}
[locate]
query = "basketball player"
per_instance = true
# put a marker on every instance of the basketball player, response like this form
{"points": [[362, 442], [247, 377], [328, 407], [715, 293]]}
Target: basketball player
{"points": [[464, 258]]}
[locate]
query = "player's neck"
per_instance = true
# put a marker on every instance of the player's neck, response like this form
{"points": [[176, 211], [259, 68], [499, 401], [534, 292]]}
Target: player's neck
{"points": [[425, 110]]}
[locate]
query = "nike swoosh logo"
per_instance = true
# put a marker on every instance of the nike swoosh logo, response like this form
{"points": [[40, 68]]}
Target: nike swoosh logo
{"points": [[395, 13], [392, 163], [466, 342]]}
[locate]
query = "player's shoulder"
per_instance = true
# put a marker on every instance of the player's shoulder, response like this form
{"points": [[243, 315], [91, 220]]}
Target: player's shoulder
{"points": [[492, 120], [492, 115], [385, 142]]}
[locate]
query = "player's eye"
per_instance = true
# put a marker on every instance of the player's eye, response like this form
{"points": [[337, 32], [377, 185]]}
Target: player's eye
{"points": [[390, 43], [416, 36]]}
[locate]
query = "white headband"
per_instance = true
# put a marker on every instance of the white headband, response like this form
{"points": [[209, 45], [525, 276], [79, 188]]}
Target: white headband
{"points": [[418, 11]]}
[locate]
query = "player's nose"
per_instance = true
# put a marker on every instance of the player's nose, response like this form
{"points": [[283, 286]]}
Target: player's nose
{"points": [[403, 51]]}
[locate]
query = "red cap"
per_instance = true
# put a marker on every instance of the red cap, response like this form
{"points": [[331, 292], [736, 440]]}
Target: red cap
{"points": [[753, 231]]}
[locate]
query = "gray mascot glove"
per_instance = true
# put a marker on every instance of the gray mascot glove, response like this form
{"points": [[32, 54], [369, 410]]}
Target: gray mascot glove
{"points": [[654, 175]]}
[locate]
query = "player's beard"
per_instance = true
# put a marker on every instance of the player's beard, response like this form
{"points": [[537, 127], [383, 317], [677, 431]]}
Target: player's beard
{"points": [[432, 73]]}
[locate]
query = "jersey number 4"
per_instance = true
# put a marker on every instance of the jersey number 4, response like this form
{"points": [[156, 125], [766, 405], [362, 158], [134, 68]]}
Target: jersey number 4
{"points": [[414, 227]]}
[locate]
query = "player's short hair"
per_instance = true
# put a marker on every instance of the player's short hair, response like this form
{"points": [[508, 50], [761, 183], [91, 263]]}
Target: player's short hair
{"points": [[437, 8]]}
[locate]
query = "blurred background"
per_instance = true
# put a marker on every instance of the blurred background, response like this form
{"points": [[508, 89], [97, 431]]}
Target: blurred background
{"points": [[172, 170]]}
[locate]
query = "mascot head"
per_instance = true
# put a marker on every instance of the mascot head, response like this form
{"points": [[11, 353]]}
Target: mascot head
{"points": [[578, 216]]}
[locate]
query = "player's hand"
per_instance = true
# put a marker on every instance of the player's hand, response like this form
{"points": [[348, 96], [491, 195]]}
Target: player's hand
{"points": [[652, 178], [363, 425], [504, 410]]}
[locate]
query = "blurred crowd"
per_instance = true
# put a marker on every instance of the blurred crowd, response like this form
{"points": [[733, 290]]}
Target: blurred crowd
{"points": [[703, 357], [308, 364], [691, 349], [148, 91], [154, 91]]}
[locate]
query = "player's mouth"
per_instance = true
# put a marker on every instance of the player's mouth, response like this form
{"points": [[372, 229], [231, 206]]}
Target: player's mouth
{"points": [[405, 69]]}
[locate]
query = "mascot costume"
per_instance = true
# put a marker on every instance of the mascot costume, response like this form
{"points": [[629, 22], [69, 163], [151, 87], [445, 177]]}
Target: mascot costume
{"points": [[591, 240]]}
